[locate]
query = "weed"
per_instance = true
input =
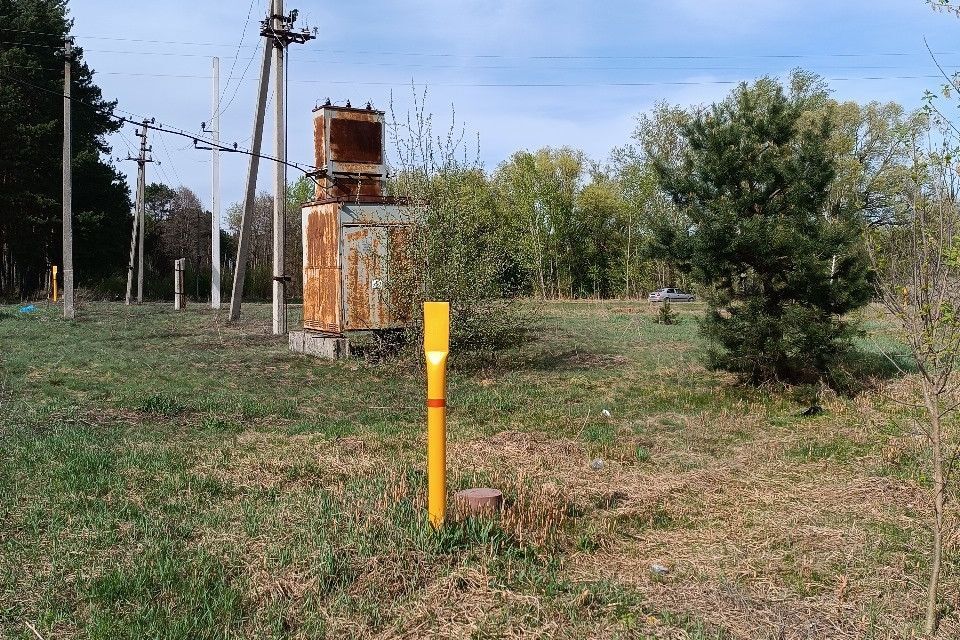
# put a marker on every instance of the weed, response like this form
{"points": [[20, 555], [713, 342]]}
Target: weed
{"points": [[162, 404], [601, 433], [218, 425], [165, 593], [838, 449]]}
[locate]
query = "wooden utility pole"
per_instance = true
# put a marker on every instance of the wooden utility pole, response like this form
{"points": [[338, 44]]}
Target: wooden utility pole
{"points": [[68, 306], [277, 31], [142, 188], [139, 216], [215, 191], [133, 240], [131, 265]]}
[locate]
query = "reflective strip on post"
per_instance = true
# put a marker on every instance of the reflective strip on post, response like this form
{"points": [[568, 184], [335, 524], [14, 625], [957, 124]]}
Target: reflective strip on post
{"points": [[436, 346]]}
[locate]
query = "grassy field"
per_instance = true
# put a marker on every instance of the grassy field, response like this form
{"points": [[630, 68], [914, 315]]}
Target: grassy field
{"points": [[172, 476]]}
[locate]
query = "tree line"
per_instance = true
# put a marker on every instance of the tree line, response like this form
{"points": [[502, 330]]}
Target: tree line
{"points": [[554, 223]]}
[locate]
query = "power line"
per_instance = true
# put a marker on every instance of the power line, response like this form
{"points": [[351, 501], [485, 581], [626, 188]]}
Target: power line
{"points": [[652, 83], [594, 84], [32, 44], [150, 123], [326, 52], [126, 141], [402, 65], [233, 65], [365, 52], [116, 39], [166, 176], [239, 82], [173, 165]]}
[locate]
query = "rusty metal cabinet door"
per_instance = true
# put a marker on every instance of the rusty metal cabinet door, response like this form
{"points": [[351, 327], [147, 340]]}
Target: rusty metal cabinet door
{"points": [[365, 263], [321, 271]]}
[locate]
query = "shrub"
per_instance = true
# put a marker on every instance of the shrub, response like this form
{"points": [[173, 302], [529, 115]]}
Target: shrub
{"points": [[456, 251]]}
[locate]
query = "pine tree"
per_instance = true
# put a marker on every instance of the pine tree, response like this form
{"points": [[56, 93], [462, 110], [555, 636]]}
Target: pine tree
{"points": [[780, 269], [31, 126]]}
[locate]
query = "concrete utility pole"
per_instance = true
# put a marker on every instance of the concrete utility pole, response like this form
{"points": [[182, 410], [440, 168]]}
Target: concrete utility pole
{"points": [[68, 307], [246, 218], [179, 294], [277, 31], [139, 218], [215, 187], [280, 182]]}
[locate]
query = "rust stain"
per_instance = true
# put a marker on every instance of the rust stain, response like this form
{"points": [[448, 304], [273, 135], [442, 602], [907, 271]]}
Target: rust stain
{"points": [[311, 238], [356, 140], [375, 271], [355, 280], [399, 267], [319, 147]]}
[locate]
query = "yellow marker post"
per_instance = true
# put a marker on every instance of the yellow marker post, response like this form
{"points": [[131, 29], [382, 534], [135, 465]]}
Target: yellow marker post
{"points": [[53, 279], [436, 346]]}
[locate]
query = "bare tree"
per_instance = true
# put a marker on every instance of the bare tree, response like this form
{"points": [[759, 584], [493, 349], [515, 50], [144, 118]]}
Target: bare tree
{"points": [[185, 228], [455, 250], [261, 231], [918, 280]]}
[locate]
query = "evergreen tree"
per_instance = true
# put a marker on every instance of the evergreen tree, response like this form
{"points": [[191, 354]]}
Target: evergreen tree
{"points": [[780, 267], [31, 138]]}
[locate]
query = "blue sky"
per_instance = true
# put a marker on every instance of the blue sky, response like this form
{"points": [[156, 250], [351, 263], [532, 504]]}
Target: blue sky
{"points": [[521, 74]]}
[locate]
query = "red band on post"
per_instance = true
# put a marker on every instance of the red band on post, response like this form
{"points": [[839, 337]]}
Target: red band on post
{"points": [[436, 402]]}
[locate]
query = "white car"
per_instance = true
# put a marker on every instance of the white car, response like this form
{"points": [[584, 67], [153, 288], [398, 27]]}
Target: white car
{"points": [[670, 295]]}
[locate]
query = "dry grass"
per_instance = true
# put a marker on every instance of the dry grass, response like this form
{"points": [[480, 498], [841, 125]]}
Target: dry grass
{"points": [[167, 505], [756, 547]]}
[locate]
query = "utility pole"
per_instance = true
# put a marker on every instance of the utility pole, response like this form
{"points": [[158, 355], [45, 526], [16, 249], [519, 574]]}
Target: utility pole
{"points": [[215, 222], [133, 239], [68, 307], [277, 31], [139, 218], [280, 180], [246, 218]]}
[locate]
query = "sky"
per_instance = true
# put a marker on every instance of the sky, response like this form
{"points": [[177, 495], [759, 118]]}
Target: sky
{"points": [[514, 74]]}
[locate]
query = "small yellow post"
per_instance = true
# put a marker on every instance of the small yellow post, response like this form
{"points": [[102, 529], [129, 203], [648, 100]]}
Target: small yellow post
{"points": [[53, 279], [436, 346]]}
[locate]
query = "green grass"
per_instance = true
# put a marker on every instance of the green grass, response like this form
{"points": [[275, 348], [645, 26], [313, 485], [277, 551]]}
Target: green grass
{"points": [[838, 448], [172, 476]]}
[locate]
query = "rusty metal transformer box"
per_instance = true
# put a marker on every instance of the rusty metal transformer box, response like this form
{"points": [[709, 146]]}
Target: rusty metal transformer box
{"points": [[354, 239], [350, 154], [350, 253]]}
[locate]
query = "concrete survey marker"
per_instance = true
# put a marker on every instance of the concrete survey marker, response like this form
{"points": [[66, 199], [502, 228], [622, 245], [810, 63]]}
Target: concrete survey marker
{"points": [[481, 500]]}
